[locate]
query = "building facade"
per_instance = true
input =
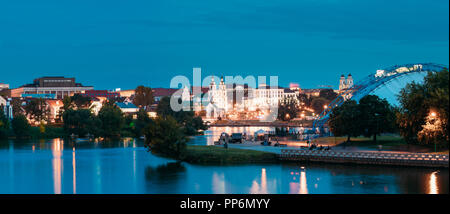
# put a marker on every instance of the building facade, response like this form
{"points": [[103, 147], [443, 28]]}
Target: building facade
{"points": [[345, 83], [60, 86], [101, 93], [223, 98]]}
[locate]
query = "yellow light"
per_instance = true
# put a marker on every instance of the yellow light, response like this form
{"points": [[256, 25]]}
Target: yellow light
{"points": [[325, 106], [433, 114]]}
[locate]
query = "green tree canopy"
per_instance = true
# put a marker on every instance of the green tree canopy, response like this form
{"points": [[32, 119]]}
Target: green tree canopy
{"points": [[191, 123], [81, 122], [141, 123], [37, 109], [328, 94], [4, 124], [345, 120], [418, 102], [20, 126], [318, 104], [165, 136], [143, 97], [112, 120], [377, 116], [80, 101]]}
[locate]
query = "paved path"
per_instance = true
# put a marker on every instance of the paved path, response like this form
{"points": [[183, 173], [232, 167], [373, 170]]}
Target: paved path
{"points": [[297, 145]]}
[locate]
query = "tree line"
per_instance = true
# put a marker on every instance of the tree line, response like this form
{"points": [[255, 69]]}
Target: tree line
{"points": [[78, 119], [421, 118]]}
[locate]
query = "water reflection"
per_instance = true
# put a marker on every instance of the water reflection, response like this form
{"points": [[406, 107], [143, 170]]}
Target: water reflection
{"points": [[298, 185], [432, 185], [74, 172], [57, 148], [260, 189], [58, 166], [164, 178], [218, 183]]}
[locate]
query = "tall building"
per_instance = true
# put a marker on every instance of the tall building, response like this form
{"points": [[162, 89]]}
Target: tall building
{"points": [[59, 86]]}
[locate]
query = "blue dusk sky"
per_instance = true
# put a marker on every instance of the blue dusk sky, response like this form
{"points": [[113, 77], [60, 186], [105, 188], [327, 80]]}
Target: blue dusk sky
{"points": [[121, 44]]}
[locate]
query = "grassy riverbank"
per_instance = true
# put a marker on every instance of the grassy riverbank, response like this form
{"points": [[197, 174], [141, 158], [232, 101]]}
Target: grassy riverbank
{"points": [[220, 155]]}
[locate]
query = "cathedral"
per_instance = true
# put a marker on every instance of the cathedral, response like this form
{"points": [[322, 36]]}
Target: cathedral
{"points": [[217, 97], [345, 83]]}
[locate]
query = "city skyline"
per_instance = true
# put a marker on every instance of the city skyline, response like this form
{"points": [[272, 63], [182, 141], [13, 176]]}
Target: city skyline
{"points": [[151, 42]]}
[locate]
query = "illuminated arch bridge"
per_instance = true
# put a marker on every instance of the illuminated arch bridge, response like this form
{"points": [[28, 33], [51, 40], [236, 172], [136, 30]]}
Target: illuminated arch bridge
{"points": [[385, 83]]}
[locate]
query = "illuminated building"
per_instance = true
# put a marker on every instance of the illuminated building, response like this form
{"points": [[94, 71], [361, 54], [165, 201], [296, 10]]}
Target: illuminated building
{"points": [[60, 86]]}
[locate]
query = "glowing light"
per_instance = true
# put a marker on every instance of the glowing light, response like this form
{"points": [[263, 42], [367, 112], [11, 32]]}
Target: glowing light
{"points": [[432, 184], [57, 148], [433, 114], [74, 172], [303, 186]]}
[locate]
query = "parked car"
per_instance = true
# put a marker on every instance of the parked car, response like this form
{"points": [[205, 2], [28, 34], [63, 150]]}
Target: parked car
{"points": [[237, 138]]}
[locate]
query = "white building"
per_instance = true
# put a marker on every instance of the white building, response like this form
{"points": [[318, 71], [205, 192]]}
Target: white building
{"points": [[345, 83], [7, 107], [224, 98]]}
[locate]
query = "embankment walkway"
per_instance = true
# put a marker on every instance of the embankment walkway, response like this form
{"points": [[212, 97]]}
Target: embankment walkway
{"points": [[377, 158], [357, 157]]}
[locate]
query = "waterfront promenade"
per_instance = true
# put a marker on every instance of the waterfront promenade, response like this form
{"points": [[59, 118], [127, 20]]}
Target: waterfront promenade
{"points": [[339, 155]]}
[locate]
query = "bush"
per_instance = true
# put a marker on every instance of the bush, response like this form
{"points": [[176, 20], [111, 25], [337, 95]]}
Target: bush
{"points": [[21, 127], [166, 137]]}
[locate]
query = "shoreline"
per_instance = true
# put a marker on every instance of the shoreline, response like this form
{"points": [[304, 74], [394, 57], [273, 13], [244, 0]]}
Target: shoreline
{"points": [[247, 123], [296, 154]]}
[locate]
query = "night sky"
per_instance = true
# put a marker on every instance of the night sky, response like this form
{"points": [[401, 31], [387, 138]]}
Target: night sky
{"points": [[121, 44]]}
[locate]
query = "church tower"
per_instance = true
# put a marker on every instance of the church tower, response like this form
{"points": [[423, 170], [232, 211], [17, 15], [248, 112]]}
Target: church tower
{"points": [[349, 81], [342, 84]]}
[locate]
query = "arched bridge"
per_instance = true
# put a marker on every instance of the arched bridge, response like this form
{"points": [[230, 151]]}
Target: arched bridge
{"points": [[388, 82]]}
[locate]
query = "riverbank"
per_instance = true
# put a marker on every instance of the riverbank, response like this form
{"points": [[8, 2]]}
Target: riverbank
{"points": [[220, 155]]}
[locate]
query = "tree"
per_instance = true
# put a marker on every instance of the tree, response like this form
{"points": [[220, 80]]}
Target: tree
{"points": [[80, 122], [4, 124], [142, 121], [345, 120], [190, 123], [328, 94], [17, 107], [20, 126], [37, 109], [377, 116], [112, 119], [165, 136], [418, 101], [80, 101], [304, 100], [318, 104], [432, 131], [287, 109], [143, 97]]}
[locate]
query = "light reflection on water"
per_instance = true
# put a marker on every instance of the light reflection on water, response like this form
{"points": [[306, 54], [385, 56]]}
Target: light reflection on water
{"points": [[57, 166], [433, 188]]}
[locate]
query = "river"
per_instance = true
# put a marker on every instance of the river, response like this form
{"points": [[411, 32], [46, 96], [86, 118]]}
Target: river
{"points": [[57, 166]]}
